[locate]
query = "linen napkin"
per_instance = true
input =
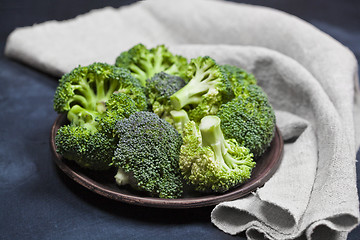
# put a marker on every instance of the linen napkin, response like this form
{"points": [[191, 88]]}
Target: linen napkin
{"points": [[310, 78]]}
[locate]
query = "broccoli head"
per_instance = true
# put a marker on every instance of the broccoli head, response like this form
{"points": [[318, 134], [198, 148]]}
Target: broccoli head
{"points": [[144, 63], [207, 89], [83, 92], [92, 145], [159, 88], [147, 155], [208, 161], [89, 149], [86, 94], [249, 119]]}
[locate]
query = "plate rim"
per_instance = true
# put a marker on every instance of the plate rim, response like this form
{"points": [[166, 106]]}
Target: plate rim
{"points": [[191, 202]]}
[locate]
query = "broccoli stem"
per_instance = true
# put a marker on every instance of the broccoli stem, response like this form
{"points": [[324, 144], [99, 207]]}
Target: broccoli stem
{"points": [[232, 162], [173, 69], [80, 100], [122, 178], [213, 137], [139, 74], [86, 92], [211, 131], [158, 60], [193, 91], [86, 96], [190, 94], [148, 67], [100, 90], [159, 64], [83, 117], [112, 88], [218, 149], [180, 119], [103, 94], [95, 98]]}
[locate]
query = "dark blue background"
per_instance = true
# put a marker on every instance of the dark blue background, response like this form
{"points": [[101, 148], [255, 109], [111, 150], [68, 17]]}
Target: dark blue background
{"points": [[37, 201]]}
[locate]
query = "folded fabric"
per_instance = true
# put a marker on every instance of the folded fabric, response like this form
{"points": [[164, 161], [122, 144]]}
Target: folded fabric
{"points": [[310, 78]]}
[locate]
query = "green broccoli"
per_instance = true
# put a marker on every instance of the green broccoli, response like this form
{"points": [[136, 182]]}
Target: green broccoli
{"points": [[92, 145], [238, 76], [144, 63], [208, 161], [89, 87], [159, 88], [249, 119], [89, 149], [147, 155], [94, 98], [207, 89]]}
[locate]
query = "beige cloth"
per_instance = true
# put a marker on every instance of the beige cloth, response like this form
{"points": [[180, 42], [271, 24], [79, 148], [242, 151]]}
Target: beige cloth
{"points": [[310, 78]]}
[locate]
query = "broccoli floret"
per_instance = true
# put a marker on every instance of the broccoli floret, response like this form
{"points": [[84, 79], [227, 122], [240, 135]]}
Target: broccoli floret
{"points": [[249, 119], [89, 149], [238, 76], [144, 63], [148, 153], [207, 89], [209, 162], [83, 92], [119, 106], [92, 145], [159, 88]]}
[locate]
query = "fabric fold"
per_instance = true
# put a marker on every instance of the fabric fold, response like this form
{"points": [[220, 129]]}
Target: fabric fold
{"points": [[308, 165], [310, 78]]}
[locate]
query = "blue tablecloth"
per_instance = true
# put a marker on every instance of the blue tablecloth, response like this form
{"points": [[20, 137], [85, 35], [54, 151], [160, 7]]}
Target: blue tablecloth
{"points": [[37, 201]]}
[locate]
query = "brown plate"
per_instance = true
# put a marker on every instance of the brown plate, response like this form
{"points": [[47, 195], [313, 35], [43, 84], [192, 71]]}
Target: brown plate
{"points": [[103, 183]]}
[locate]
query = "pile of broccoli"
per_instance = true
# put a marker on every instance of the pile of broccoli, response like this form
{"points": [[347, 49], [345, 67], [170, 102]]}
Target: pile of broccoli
{"points": [[163, 122]]}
